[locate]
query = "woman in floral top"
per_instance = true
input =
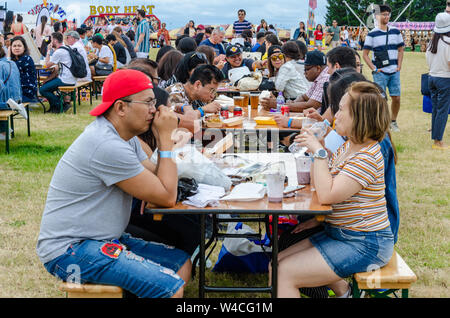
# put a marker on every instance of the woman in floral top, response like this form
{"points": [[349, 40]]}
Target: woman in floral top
{"points": [[20, 55]]}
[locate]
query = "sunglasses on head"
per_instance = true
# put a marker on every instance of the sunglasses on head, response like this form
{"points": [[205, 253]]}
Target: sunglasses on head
{"points": [[279, 56], [200, 56]]}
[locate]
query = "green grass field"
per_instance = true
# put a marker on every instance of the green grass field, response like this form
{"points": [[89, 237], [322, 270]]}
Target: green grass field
{"points": [[423, 178]]}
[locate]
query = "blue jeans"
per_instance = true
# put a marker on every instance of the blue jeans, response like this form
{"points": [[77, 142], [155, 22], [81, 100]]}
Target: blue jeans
{"points": [[390, 81], [440, 99], [146, 269], [348, 252], [47, 90]]}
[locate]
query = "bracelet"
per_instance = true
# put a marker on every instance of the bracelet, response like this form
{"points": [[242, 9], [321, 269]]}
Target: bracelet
{"points": [[202, 113], [166, 154], [290, 122]]}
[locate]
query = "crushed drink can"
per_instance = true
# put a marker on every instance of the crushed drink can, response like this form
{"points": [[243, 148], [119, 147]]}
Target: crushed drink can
{"points": [[285, 111]]}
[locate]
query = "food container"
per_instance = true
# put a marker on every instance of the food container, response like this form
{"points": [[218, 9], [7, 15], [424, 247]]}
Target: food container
{"points": [[235, 121], [262, 120]]}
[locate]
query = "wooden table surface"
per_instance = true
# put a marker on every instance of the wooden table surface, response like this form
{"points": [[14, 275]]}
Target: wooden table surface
{"points": [[304, 202], [249, 122]]}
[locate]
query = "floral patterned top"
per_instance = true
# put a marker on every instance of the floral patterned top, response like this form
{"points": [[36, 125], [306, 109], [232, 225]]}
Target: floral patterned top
{"points": [[28, 78]]}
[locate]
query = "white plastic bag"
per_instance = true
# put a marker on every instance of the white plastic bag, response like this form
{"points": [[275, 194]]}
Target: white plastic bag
{"points": [[193, 164]]}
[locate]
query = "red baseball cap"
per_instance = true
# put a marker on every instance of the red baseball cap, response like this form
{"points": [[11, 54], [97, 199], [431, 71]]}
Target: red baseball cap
{"points": [[120, 84], [200, 27]]}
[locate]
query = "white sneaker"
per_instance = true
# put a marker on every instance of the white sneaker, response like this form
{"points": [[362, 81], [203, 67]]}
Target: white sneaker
{"points": [[19, 107], [394, 127]]}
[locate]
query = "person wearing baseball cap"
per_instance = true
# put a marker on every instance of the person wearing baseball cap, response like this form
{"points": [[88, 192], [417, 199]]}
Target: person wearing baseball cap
{"points": [[89, 201], [316, 71], [233, 56]]}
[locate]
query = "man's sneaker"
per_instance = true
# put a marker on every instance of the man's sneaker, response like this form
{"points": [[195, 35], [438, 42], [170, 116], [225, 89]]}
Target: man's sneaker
{"points": [[394, 127]]}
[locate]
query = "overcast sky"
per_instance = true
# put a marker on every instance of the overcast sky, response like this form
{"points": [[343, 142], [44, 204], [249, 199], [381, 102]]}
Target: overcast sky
{"points": [[176, 13]]}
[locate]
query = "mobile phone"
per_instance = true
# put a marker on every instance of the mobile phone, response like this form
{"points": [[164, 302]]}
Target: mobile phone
{"points": [[292, 189]]}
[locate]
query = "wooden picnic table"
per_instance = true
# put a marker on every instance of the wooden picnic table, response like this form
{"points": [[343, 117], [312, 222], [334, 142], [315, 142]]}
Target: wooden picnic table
{"points": [[305, 202]]}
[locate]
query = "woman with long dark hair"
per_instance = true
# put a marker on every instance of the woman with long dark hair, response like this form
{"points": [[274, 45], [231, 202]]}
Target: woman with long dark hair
{"points": [[167, 66], [438, 57], [318, 36], [21, 56], [185, 68], [42, 31], [190, 29], [300, 33]]}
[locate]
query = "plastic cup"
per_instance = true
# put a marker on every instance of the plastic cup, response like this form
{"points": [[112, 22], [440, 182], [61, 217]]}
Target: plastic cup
{"points": [[238, 101], [246, 100], [275, 182], [254, 101], [275, 186], [308, 122], [303, 169]]}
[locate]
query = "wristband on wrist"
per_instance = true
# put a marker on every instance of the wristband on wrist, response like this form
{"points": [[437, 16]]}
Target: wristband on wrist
{"points": [[290, 122], [165, 154], [202, 112], [182, 108]]}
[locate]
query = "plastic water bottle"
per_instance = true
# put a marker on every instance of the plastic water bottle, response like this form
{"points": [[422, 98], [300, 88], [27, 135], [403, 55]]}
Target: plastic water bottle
{"points": [[280, 102]]}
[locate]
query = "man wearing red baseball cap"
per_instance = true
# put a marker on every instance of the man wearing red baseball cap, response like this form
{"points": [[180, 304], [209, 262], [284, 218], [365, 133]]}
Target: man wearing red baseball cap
{"points": [[89, 200]]}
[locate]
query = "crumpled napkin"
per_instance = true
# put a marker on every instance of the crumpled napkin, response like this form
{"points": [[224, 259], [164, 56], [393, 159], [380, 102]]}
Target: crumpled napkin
{"points": [[207, 195]]}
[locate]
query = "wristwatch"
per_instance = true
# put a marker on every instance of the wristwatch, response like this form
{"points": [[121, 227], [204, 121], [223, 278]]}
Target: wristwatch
{"points": [[320, 154]]}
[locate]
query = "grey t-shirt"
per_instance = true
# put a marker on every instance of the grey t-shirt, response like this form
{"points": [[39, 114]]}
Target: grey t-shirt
{"points": [[83, 201]]}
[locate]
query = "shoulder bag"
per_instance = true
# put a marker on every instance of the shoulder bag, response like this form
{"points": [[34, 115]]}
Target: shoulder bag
{"points": [[382, 57]]}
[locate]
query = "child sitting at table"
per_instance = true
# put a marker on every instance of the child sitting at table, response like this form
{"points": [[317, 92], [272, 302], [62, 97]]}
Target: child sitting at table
{"points": [[357, 236]]}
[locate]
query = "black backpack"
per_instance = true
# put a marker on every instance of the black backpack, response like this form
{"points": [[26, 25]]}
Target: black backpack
{"points": [[78, 67]]}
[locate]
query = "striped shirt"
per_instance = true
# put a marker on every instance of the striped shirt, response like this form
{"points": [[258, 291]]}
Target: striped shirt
{"points": [[239, 26], [143, 28], [376, 41], [364, 211]]}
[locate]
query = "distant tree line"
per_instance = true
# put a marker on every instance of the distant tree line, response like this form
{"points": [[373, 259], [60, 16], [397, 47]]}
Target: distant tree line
{"points": [[418, 11]]}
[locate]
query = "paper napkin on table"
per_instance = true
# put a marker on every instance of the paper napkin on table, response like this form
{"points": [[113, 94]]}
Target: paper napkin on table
{"points": [[246, 192], [206, 195]]}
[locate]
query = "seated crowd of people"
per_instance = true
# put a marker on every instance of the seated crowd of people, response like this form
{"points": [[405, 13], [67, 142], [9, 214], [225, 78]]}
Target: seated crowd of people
{"points": [[95, 220]]}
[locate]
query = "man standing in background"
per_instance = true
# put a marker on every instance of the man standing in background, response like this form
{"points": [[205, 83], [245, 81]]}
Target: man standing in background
{"points": [[241, 24], [387, 46], [334, 32], [142, 37]]}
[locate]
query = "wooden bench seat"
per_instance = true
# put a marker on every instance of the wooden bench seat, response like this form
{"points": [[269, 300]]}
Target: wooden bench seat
{"points": [[8, 117], [73, 91], [97, 83], [74, 290], [396, 275]]}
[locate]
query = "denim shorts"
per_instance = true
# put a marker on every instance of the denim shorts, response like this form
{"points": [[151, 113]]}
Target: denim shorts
{"points": [[348, 252], [390, 81], [146, 269]]}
